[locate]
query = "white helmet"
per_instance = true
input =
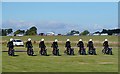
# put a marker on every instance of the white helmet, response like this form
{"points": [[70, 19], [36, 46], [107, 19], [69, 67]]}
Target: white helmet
{"points": [[68, 39], [56, 40], [106, 39], [11, 39], [42, 39], [90, 39], [29, 39], [80, 39]]}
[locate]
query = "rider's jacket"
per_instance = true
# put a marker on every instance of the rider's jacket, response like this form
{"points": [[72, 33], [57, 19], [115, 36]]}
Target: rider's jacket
{"points": [[80, 44], [42, 44], [68, 45], [10, 44], [90, 44], [29, 44], [105, 44], [55, 45]]}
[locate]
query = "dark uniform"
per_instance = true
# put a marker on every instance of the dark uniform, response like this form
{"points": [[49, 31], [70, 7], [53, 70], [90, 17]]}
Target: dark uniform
{"points": [[105, 44], [55, 48], [10, 44], [91, 47], [29, 48], [43, 47], [80, 44], [55, 45], [81, 47], [68, 46], [107, 50], [29, 44], [10, 48]]}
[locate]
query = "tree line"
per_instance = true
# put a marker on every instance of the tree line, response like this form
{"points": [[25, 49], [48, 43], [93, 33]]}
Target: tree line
{"points": [[109, 31], [73, 32], [33, 31], [4, 32]]}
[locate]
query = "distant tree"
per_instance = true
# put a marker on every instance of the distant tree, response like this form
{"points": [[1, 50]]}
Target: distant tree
{"points": [[27, 32], [33, 28], [9, 31], [73, 32], [110, 32], [4, 32], [104, 31], [19, 32], [85, 32], [97, 32], [31, 31], [117, 30]]}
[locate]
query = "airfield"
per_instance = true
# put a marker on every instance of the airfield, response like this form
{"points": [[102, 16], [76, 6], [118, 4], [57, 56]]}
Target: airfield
{"points": [[64, 63]]}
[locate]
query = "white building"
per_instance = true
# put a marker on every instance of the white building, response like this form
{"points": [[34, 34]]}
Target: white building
{"points": [[76, 34], [104, 34], [19, 34], [96, 34], [10, 34], [50, 33]]}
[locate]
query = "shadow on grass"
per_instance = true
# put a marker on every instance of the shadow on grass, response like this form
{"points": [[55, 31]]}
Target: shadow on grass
{"points": [[16, 55], [13, 55], [45, 55]]}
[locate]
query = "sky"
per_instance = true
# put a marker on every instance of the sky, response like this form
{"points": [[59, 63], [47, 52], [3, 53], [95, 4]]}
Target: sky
{"points": [[60, 0], [60, 17]]}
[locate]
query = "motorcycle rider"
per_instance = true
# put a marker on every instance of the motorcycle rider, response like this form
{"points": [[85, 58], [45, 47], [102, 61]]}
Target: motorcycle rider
{"points": [[42, 47], [91, 46], [10, 47], [55, 47], [81, 47], [106, 46], [29, 47], [68, 47]]}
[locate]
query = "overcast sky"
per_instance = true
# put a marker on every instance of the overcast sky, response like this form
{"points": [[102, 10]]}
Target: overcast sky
{"points": [[60, 17]]}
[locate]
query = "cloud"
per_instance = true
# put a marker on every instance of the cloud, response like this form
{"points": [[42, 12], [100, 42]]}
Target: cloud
{"points": [[42, 26], [54, 26], [96, 26], [50, 25], [16, 24], [46, 26]]}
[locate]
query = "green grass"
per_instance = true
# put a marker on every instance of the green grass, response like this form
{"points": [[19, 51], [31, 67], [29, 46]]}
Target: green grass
{"points": [[64, 63], [63, 38], [113, 40], [77, 63]]}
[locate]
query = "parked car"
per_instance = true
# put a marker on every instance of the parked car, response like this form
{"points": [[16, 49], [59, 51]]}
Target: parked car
{"points": [[18, 42]]}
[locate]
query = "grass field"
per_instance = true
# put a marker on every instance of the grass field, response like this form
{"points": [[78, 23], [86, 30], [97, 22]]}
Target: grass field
{"points": [[64, 63]]}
